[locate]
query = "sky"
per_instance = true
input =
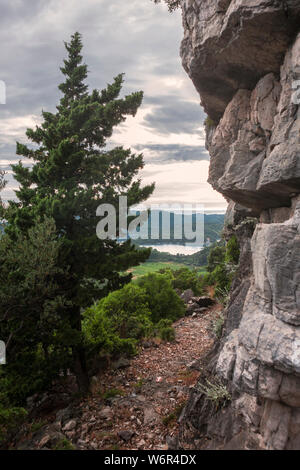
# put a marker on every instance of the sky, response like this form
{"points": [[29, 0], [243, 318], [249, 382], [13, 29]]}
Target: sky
{"points": [[135, 37]]}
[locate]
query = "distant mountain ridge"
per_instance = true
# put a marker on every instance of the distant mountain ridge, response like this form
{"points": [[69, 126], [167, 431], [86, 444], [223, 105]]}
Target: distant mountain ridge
{"points": [[213, 225]]}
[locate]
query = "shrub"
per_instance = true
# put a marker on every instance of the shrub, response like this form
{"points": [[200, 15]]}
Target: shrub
{"points": [[222, 266], [163, 301], [164, 330], [216, 257], [209, 123], [10, 416], [184, 278], [219, 277], [33, 321], [114, 324], [232, 253]]}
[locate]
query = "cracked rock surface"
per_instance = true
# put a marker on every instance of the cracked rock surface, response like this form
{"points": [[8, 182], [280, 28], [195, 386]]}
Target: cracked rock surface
{"points": [[243, 57]]}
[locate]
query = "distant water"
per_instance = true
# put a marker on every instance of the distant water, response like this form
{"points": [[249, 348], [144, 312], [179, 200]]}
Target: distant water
{"points": [[176, 249]]}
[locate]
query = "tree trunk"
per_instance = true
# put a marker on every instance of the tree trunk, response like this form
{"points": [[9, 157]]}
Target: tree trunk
{"points": [[79, 359], [80, 369]]}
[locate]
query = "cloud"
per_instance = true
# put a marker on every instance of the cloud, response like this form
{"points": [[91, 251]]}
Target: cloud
{"points": [[166, 153], [135, 37], [172, 115]]}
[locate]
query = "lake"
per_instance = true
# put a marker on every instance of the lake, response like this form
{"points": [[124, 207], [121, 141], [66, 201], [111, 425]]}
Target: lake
{"points": [[176, 249]]}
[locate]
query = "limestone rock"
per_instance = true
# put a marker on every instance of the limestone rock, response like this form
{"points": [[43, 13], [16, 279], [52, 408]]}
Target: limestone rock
{"points": [[243, 57]]}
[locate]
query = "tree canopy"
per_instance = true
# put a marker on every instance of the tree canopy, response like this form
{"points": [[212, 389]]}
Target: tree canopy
{"points": [[72, 173]]}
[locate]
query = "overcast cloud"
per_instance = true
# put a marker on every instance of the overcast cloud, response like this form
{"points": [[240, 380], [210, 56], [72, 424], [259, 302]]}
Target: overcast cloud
{"points": [[135, 37]]}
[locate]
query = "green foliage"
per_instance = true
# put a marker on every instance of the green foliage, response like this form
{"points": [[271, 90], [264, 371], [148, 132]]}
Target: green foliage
{"points": [[114, 325], [33, 320], [220, 278], [167, 334], [172, 4], [174, 415], [184, 278], [72, 173], [232, 251], [162, 299], [215, 392], [37, 425], [216, 257], [2, 185], [152, 267], [10, 416], [209, 123], [222, 266], [223, 295], [250, 222], [111, 393], [217, 325], [139, 384], [64, 444], [164, 330]]}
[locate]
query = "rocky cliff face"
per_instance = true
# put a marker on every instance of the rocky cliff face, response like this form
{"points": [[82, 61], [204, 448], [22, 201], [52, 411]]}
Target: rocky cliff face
{"points": [[243, 57]]}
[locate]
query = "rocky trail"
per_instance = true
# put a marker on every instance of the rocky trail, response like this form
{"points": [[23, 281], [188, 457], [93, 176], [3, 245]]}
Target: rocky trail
{"points": [[136, 404]]}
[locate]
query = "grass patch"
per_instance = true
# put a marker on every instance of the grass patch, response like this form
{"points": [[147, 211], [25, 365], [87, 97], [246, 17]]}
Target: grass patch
{"points": [[138, 385], [64, 444], [174, 415], [217, 325], [152, 267], [111, 393], [215, 392], [37, 425]]}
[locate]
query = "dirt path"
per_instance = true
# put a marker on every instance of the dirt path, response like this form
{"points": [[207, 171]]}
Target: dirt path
{"points": [[139, 406]]}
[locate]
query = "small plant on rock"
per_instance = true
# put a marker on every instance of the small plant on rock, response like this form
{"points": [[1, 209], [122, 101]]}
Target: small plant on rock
{"points": [[218, 324], [64, 444], [215, 392]]}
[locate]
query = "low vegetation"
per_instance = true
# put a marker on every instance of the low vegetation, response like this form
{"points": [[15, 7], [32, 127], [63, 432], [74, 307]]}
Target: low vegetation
{"points": [[114, 325], [217, 325], [215, 392]]}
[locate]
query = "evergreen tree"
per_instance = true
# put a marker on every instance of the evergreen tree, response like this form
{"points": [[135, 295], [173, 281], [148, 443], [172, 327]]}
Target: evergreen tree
{"points": [[72, 174], [2, 185], [172, 4]]}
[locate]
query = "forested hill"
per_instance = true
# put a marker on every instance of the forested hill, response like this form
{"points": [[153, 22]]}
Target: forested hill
{"points": [[213, 225]]}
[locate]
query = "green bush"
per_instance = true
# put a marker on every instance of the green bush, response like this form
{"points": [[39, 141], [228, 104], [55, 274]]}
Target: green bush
{"points": [[164, 330], [10, 416], [114, 324], [232, 253], [222, 265], [162, 299], [167, 334], [184, 278], [33, 321], [219, 277], [216, 257]]}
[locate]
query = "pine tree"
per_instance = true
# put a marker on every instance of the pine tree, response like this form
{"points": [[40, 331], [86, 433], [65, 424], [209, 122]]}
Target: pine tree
{"points": [[72, 173], [172, 4], [2, 185]]}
